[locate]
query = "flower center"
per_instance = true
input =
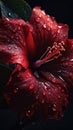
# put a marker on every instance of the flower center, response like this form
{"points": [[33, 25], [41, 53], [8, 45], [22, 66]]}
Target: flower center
{"points": [[50, 54]]}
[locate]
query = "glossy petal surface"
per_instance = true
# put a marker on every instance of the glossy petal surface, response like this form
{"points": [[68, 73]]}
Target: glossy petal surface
{"points": [[42, 83], [12, 42]]}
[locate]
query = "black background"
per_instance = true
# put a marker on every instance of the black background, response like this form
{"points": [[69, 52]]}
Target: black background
{"points": [[63, 12]]}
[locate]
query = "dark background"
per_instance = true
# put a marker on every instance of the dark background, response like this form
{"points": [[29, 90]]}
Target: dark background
{"points": [[63, 12]]}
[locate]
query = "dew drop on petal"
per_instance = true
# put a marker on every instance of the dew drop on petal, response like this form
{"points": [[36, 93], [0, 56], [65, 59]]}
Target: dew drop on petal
{"points": [[9, 47], [19, 28], [54, 107], [37, 19], [15, 47], [71, 60], [44, 93], [53, 80], [15, 90], [43, 12], [31, 86], [8, 40], [61, 78], [59, 26], [44, 25], [7, 19], [29, 113], [58, 31], [40, 15]]}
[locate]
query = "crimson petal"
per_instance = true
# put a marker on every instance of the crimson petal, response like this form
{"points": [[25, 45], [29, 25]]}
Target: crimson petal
{"points": [[44, 95], [33, 97], [13, 47], [46, 29], [66, 65]]}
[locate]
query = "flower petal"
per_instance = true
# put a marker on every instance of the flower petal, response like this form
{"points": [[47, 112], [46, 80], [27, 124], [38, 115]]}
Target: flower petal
{"points": [[46, 29], [13, 48], [66, 65], [35, 97]]}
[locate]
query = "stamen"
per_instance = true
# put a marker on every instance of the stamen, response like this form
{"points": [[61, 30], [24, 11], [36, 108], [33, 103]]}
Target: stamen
{"points": [[48, 50], [50, 54]]}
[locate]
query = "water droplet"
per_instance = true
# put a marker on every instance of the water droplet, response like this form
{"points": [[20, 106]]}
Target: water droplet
{"points": [[44, 25], [48, 16], [7, 19], [53, 80], [31, 86], [40, 15], [29, 113], [37, 19], [8, 40], [15, 90], [19, 28], [58, 31], [9, 47], [43, 12], [9, 14], [59, 26], [44, 93], [54, 107], [61, 78], [48, 19], [15, 47], [45, 87], [71, 60]]}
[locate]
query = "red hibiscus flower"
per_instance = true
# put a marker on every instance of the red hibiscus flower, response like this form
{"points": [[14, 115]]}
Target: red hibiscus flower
{"points": [[40, 85]]}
